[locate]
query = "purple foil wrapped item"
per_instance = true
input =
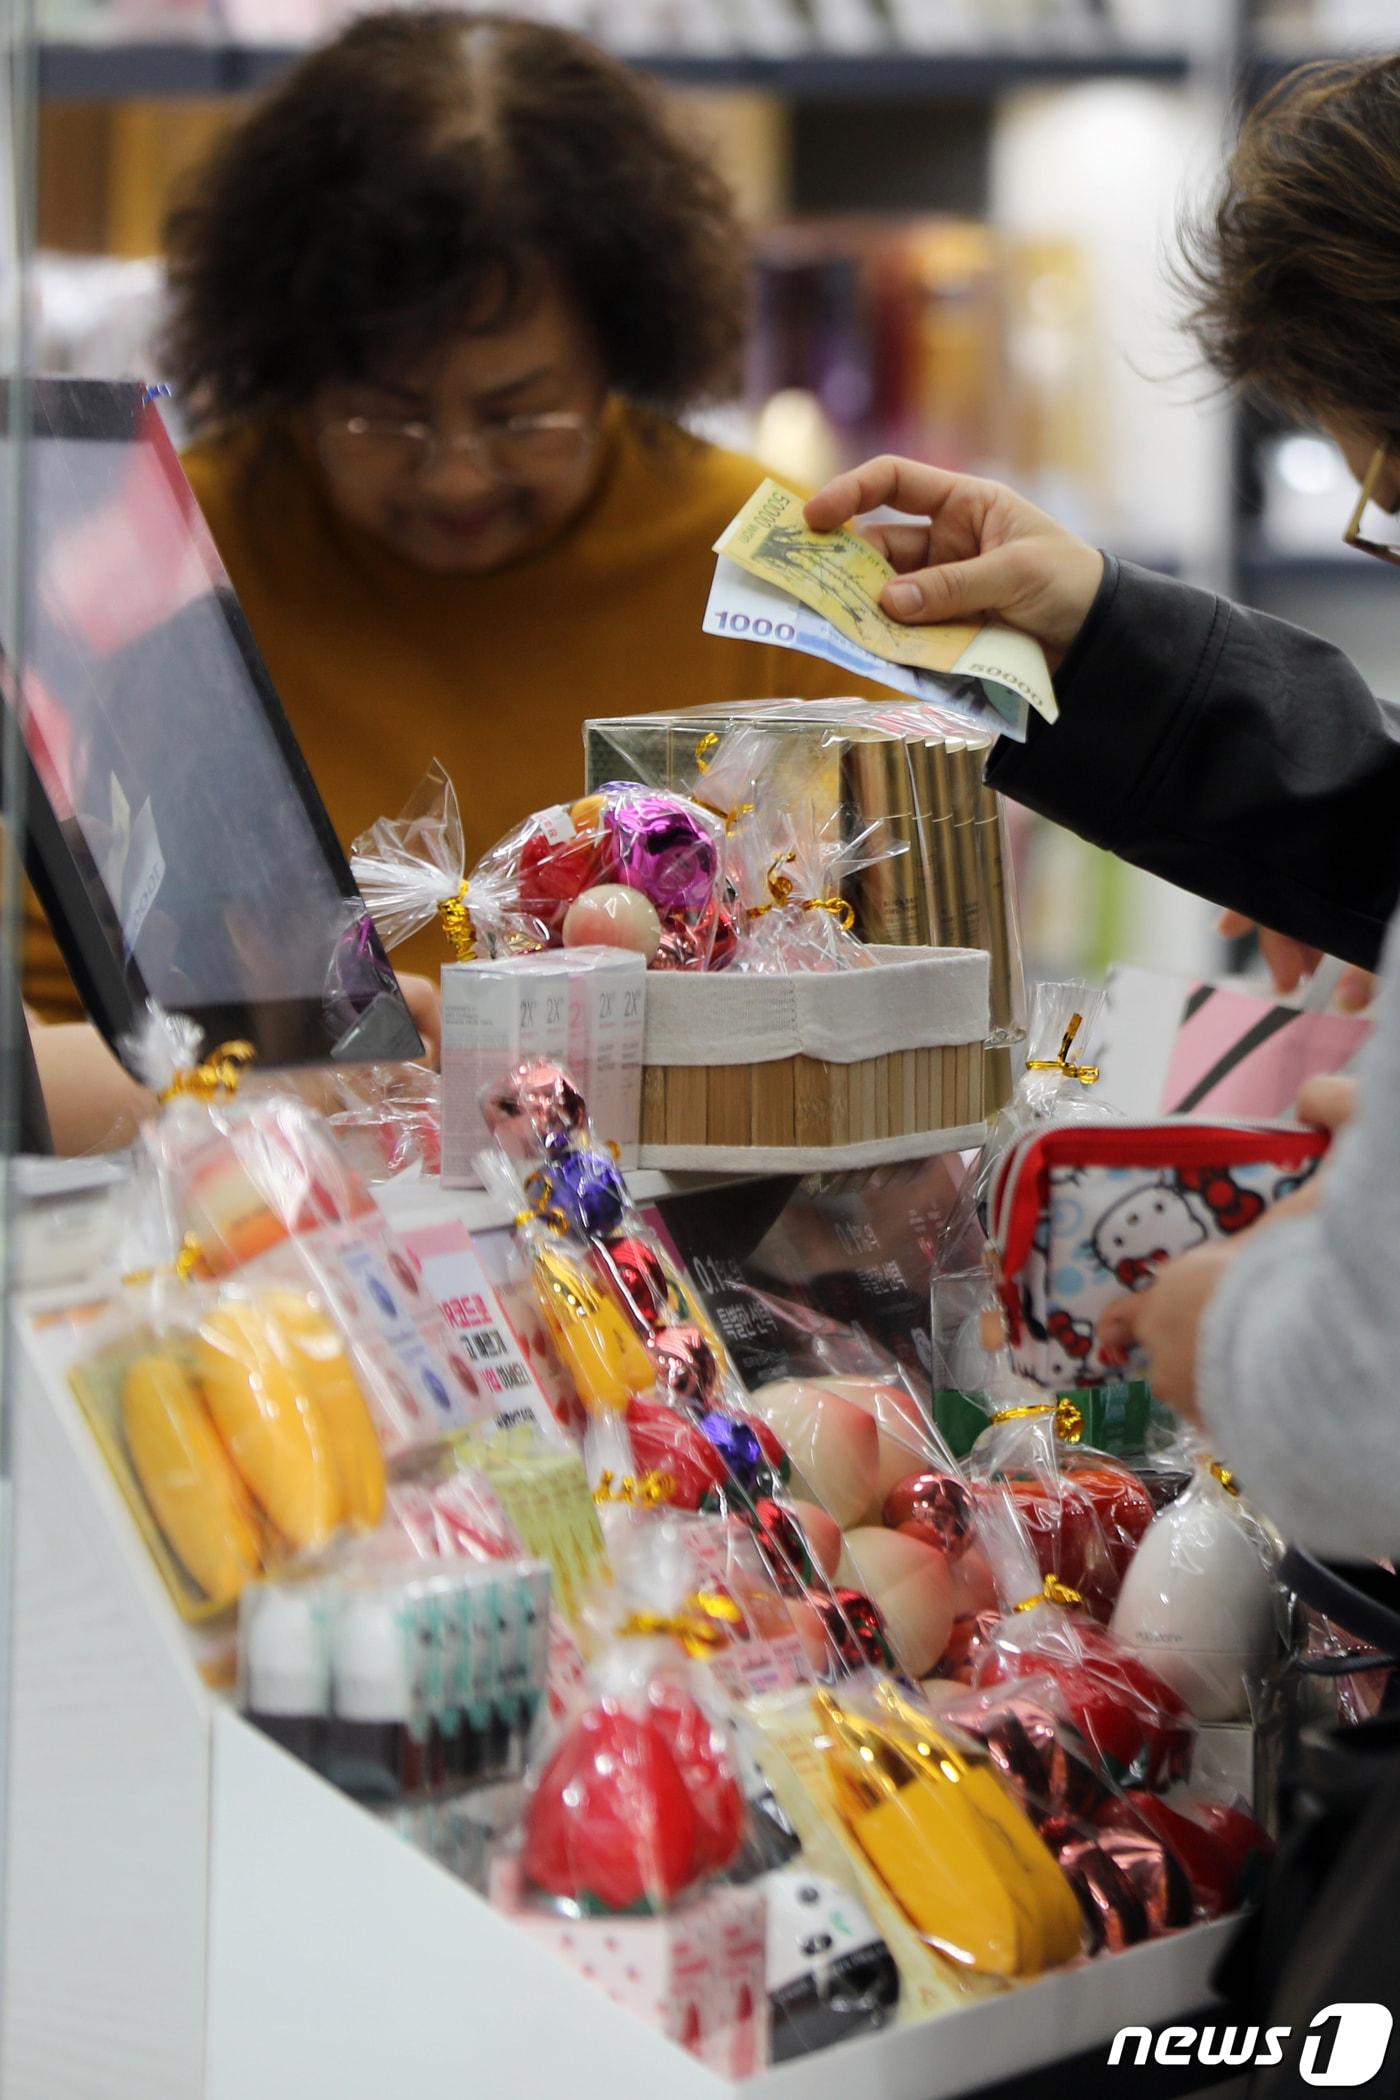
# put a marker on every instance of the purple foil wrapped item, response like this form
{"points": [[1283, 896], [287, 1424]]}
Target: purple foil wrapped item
{"points": [[736, 1444], [667, 848], [590, 1192]]}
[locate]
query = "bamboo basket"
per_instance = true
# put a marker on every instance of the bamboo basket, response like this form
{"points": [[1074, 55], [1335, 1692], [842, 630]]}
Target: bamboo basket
{"points": [[812, 1071]]}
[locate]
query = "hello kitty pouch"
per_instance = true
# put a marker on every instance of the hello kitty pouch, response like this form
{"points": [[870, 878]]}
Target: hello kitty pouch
{"points": [[1079, 1214]]}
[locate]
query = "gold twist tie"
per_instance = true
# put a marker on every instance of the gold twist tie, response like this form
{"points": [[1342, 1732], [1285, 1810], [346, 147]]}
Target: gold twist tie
{"points": [[545, 1210], [1051, 1591], [185, 1267], [1225, 1477], [1087, 1075], [217, 1078], [645, 1491], [1069, 1417], [780, 891], [728, 817], [701, 1627], [457, 924]]}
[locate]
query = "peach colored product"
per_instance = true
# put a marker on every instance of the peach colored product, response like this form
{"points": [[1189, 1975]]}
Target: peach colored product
{"points": [[612, 916], [834, 1445], [912, 1585], [823, 1536], [903, 1427], [698, 1974]]}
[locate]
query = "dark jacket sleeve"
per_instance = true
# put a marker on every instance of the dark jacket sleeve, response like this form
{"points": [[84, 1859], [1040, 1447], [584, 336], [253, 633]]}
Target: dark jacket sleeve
{"points": [[1237, 756]]}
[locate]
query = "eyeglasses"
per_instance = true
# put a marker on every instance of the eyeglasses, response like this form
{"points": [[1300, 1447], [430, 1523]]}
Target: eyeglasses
{"points": [[1384, 550], [522, 449]]}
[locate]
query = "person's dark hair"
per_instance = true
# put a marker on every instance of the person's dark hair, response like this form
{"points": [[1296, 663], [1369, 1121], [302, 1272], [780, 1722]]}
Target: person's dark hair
{"points": [[411, 178], [1294, 278]]}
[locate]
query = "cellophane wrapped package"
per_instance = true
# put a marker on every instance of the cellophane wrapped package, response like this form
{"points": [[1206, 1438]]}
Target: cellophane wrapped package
{"points": [[972, 1371], [791, 911], [388, 1120], [253, 1180], [902, 765], [235, 1422], [635, 1820], [625, 867]]}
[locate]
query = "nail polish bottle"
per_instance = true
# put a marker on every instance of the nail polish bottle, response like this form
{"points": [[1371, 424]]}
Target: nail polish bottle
{"points": [[502, 1617], [427, 1619], [374, 1751], [286, 1678], [483, 1669], [539, 1593], [514, 1605], [450, 1722], [467, 1658]]}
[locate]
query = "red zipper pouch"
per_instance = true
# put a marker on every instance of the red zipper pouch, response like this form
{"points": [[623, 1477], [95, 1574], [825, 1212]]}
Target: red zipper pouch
{"points": [[1081, 1213]]}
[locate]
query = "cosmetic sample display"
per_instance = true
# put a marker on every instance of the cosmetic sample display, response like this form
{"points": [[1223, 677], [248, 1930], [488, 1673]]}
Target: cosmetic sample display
{"points": [[741, 1655], [401, 1687], [616, 1557]]}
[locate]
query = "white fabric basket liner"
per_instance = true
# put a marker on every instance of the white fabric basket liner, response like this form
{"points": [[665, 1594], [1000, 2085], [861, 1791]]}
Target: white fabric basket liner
{"points": [[916, 999], [812, 1159]]}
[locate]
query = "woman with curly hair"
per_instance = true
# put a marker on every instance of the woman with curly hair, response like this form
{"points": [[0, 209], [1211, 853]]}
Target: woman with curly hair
{"points": [[436, 303]]}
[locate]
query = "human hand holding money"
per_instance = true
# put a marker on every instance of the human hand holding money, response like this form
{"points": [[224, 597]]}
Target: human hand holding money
{"points": [[970, 547], [982, 670]]}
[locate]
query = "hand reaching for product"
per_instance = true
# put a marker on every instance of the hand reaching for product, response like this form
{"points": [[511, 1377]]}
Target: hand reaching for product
{"points": [[983, 549], [1327, 1101], [1165, 1321], [1290, 962], [424, 1002]]}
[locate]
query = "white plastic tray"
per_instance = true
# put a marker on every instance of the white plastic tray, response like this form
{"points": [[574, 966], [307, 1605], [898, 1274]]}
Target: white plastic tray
{"points": [[193, 1916]]}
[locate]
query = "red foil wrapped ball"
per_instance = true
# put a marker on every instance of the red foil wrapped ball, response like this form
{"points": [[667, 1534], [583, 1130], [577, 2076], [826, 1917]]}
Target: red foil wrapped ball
{"points": [[855, 1631], [1041, 1756], [935, 1507], [1113, 1910], [681, 947], [1219, 1848], [784, 1547], [1155, 1875]]}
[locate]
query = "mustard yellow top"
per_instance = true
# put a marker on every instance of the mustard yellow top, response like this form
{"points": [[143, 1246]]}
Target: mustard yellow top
{"points": [[382, 667]]}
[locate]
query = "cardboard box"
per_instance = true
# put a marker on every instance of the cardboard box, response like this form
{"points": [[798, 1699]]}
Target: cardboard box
{"points": [[698, 1974]]}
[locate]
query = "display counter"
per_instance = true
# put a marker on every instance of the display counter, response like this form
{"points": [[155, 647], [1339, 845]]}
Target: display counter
{"points": [[195, 1916]]}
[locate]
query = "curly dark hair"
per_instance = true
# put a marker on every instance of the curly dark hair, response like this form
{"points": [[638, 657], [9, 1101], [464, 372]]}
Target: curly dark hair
{"points": [[1293, 279], [409, 179]]}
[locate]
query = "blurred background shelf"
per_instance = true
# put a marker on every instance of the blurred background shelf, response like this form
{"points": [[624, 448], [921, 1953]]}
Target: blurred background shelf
{"points": [[1265, 568], [81, 72], [960, 253]]}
